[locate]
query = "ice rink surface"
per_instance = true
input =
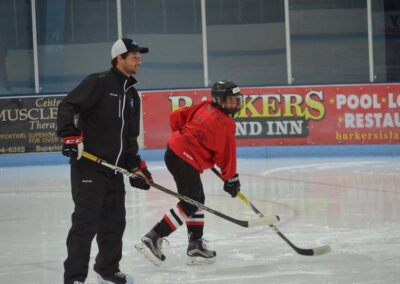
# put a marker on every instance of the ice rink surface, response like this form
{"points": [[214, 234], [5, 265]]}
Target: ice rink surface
{"points": [[351, 204]]}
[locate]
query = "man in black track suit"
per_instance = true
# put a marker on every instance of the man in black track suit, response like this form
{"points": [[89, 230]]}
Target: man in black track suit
{"points": [[102, 116]]}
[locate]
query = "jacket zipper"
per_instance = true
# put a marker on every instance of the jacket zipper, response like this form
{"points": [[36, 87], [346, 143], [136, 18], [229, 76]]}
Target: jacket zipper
{"points": [[119, 106], [121, 115]]}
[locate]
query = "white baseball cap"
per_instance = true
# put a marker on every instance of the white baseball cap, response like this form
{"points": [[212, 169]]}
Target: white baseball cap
{"points": [[123, 45]]}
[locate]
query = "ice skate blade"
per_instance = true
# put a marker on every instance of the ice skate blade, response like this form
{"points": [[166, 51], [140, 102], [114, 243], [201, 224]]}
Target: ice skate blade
{"points": [[100, 280], [198, 260], [143, 249]]}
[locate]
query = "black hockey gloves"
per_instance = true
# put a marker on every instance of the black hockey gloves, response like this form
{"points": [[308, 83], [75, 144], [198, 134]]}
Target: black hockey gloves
{"points": [[232, 186], [73, 146], [144, 178]]}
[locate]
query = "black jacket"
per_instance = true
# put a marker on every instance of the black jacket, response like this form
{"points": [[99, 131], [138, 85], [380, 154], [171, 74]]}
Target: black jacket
{"points": [[107, 108]]}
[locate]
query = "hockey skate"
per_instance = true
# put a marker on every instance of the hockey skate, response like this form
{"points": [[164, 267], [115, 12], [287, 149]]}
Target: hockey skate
{"points": [[199, 254], [150, 246], [78, 282], [116, 278]]}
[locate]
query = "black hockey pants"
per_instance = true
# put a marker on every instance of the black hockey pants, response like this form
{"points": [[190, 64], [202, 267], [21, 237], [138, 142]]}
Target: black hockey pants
{"points": [[188, 183], [99, 199]]}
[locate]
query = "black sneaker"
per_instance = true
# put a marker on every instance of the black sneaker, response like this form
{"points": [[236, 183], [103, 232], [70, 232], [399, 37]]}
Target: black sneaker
{"points": [[116, 278], [198, 253], [150, 246]]}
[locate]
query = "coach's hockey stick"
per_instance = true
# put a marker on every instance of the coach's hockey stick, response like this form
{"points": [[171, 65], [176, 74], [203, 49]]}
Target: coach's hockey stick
{"points": [[315, 251], [267, 220]]}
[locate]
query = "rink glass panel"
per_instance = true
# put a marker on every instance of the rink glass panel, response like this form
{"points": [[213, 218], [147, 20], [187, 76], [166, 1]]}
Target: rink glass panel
{"points": [[246, 42], [329, 41], [16, 60], [172, 31], [74, 40]]}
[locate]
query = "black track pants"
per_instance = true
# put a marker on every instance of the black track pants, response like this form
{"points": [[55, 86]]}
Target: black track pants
{"points": [[99, 209]]}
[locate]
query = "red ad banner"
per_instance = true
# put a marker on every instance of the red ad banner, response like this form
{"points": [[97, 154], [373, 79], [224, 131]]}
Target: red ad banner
{"points": [[315, 115]]}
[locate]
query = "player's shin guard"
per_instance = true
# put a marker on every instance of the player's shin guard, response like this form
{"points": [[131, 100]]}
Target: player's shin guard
{"points": [[195, 225], [174, 218]]}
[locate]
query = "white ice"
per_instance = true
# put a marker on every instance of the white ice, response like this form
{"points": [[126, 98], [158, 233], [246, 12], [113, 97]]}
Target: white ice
{"points": [[351, 204]]}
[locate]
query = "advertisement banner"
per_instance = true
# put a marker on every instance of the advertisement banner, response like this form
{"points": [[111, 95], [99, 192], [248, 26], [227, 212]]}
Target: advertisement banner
{"points": [[301, 115], [28, 124]]}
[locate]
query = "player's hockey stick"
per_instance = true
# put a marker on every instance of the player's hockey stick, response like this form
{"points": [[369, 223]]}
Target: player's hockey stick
{"points": [[267, 220], [315, 251]]}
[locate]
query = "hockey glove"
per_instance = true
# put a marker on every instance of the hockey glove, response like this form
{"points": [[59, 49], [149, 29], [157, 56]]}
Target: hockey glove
{"points": [[232, 186], [144, 179], [73, 146]]}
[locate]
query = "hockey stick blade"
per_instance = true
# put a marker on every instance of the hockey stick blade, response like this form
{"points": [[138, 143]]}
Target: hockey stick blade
{"points": [[306, 252], [268, 220], [313, 252], [322, 250]]}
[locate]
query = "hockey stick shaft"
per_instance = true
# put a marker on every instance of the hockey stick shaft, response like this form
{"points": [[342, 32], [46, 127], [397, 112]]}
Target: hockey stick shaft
{"points": [[308, 252], [268, 220]]}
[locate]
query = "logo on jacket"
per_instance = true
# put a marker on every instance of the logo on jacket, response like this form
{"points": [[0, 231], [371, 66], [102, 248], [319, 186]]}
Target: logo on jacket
{"points": [[131, 102], [187, 155]]}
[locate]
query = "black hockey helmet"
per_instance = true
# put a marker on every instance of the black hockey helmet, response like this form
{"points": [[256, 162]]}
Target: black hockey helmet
{"points": [[223, 89]]}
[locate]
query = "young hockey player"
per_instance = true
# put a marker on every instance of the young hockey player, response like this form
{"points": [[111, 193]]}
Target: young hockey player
{"points": [[203, 135]]}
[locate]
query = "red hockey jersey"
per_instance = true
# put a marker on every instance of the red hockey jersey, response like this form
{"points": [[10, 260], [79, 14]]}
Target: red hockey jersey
{"points": [[204, 136]]}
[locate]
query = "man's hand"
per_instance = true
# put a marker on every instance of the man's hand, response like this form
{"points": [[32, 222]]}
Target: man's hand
{"points": [[144, 178], [73, 146], [232, 185]]}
